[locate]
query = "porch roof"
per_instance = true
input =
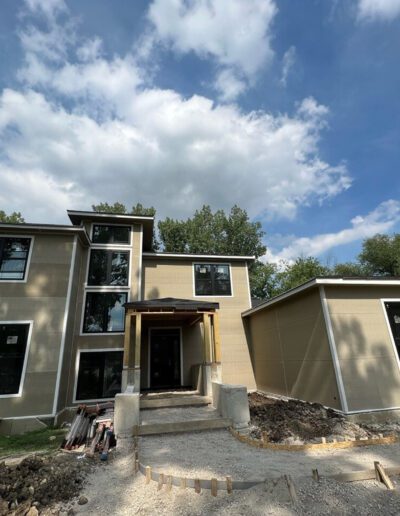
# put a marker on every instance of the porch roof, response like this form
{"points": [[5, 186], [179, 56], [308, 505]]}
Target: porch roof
{"points": [[172, 304]]}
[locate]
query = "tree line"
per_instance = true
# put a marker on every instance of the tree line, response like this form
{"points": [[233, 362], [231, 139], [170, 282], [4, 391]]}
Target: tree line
{"points": [[233, 233]]}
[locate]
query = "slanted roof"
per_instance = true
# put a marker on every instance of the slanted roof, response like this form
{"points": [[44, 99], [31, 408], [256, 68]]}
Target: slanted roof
{"points": [[78, 217], [326, 280], [54, 229], [172, 304]]}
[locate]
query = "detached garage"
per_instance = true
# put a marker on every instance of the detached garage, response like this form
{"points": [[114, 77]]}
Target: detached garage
{"points": [[335, 341]]}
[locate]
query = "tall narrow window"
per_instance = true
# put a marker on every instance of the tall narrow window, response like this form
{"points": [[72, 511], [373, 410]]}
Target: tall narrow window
{"points": [[103, 234], [212, 279], [13, 257], [393, 313], [104, 312], [108, 267], [99, 375], [13, 341]]}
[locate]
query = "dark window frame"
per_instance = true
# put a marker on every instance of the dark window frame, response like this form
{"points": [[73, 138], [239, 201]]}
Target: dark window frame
{"points": [[109, 251], [23, 359], [26, 260], [85, 314], [100, 386], [213, 279], [112, 242], [390, 306]]}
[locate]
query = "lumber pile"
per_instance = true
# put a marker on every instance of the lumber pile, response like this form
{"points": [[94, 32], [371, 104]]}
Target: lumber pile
{"points": [[91, 430]]}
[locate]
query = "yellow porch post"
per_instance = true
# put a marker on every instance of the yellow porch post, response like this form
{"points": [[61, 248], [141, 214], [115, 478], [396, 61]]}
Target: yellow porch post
{"points": [[217, 339], [206, 339]]}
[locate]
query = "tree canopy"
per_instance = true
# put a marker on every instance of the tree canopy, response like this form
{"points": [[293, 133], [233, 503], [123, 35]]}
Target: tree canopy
{"points": [[14, 218], [380, 255]]}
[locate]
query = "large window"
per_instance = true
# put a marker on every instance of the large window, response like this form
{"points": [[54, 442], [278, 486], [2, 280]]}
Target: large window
{"points": [[212, 280], [103, 234], [104, 312], [99, 375], [108, 267], [393, 313], [13, 257], [13, 341]]}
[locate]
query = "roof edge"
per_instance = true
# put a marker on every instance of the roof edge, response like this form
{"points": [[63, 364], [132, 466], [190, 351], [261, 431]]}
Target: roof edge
{"points": [[102, 214], [26, 226], [198, 256]]}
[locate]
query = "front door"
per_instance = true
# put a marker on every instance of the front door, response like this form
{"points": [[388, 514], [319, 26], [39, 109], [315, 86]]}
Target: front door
{"points": [[165, 358], [393, 312]]}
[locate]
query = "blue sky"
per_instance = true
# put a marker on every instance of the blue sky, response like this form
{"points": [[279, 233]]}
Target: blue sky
{"points": [[289, 109]]}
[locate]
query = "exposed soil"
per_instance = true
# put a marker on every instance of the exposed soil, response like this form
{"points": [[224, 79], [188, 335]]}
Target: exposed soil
{"points": [[37, 483], [294, 421]]}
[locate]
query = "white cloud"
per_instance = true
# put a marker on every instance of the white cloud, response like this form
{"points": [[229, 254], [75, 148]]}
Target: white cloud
{"points": [[235, 33], [371, 10], [229, 85], [288, 62], [380, 220]]}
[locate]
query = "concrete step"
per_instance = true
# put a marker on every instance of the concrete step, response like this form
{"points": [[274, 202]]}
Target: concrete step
{"points": [[181, 401], [184, 426]]}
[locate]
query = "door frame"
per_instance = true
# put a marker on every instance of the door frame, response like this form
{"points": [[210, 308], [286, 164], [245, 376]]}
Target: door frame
{"points": [[149, 350]]}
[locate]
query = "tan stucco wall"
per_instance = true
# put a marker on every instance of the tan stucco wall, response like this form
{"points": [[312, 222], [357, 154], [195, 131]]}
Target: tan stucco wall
{"points": [[105, 341], [41, 299], [367, 359], [290, 350], [174, 278]]}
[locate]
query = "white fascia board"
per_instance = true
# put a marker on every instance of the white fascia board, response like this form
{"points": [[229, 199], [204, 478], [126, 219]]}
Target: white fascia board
{"points": [[96, 215], [198, 256]]}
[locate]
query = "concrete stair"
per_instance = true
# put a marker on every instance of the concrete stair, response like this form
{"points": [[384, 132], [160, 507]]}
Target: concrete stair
{"points": [[178, 401], [183, 426]]}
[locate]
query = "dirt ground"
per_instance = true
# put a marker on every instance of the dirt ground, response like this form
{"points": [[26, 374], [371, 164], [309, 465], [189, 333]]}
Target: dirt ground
{"points": [[297, 422]]}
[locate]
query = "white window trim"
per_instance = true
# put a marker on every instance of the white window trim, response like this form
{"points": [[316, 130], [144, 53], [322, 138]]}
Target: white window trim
{"points": [[24, 366], [77, 363], [212, 263], [106, 291], [112, 245], [149, 349], [390, 300], [28, 261], [108, 248]]}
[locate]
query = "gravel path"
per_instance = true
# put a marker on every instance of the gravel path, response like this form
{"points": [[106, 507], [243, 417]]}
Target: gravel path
{"points": [[217, 453]]}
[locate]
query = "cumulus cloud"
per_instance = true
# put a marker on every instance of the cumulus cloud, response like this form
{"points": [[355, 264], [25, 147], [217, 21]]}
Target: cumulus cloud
{"points": [[236, 34], [371, 10], [380, 220]]}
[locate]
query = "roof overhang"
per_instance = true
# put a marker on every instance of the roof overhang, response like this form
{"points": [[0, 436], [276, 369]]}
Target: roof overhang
{"points": [[364, 282], [184, 256], [50, 229], [171, 305], [79, 217]]}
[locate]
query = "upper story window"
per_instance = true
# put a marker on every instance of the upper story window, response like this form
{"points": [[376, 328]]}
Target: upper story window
{"points": [[104, 312], [108, 267], [103, 234], [14, 254], [212, 279]]}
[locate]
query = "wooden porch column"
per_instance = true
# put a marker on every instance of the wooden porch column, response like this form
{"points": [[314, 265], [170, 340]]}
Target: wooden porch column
{"points": [[138, 339], [207, 339], [127, 360], [131, 362], [217, 339]]}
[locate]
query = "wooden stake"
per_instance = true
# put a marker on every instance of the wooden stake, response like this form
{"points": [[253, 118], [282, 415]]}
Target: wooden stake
{"points": [[292, 490], [169, 483], [229, 484], [197, 486], [148, 474], [383, 476], [315, 475], [214, 486], [160, 481], [136, 466], [183, 483]]}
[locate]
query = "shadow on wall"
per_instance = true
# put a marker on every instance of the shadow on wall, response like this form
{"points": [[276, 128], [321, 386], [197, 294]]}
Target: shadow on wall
{"points": [[369, 367]]}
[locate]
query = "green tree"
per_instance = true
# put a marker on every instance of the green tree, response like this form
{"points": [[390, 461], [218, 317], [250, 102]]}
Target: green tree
{"points": [[381, 255], [140, 210], [263, 280], [302, 270], [349, 269], [116, 208], [14, 217]]}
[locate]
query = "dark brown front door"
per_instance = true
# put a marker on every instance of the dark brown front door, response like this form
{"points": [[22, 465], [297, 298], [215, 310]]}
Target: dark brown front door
{"points": [[165, 358]]}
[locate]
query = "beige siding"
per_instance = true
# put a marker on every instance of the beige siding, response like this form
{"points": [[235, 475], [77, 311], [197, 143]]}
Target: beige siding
{"points": [[174, 278], [367, 359], [290, 350], [82, 342], [41, 299]]}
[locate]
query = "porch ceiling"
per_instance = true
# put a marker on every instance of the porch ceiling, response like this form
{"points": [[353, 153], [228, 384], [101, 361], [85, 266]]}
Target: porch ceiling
{"points": [[171, 305]]}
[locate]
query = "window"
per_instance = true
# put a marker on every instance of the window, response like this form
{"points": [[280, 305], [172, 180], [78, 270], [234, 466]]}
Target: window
{"points": [[108, 267], [393, 313], [99, 375], [111, 234], [13, 341], [212, 280], [13, 257], [104, 312]]}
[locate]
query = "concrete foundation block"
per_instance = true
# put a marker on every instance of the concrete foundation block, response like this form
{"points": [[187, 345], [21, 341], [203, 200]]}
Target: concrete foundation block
{"points": [[20, 426], [126, 414], [234, 404], [207, 387], [216, 395]]}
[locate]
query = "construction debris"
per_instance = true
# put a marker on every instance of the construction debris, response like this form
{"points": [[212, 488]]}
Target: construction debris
{"points": [[92, 431], [298, 422]]}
